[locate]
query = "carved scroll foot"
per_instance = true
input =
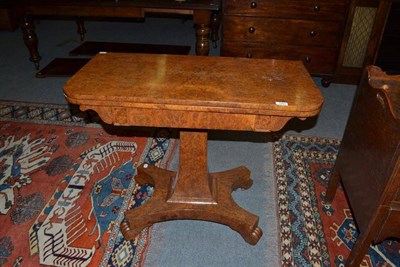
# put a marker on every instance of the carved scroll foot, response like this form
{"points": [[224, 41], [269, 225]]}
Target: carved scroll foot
{"points": [[127, 232], [252, 235], [240, 178]]}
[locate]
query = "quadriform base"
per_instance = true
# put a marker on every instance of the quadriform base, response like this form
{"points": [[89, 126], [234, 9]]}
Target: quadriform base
{"points": [[193, 193]]}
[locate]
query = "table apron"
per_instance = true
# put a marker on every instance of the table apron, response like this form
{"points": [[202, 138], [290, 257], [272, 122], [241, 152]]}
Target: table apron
{"points": [[92, 11], [122, 116], [108, 11]]}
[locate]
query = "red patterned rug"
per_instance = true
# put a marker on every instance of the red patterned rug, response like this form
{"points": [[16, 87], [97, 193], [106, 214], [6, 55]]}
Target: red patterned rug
{"points": [[311, 233], [65, 184]]}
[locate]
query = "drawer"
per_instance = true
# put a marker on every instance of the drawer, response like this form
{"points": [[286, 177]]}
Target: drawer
{"points": [[281, 31], [317, 60], [308, 9]]}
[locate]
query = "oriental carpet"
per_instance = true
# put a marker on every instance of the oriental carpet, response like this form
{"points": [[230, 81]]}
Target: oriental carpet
{"points": [[65, 183], [311, 232]]}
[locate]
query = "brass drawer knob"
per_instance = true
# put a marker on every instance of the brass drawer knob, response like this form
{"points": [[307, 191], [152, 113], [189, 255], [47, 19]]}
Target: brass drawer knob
{"points": [[307, 59], [312, 33], [252, 29], [253, 4], [316, 8]]}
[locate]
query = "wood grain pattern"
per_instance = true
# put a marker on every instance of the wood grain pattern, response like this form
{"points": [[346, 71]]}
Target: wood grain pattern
{"points": [[194, 94], [198, 84], [368, 162]]}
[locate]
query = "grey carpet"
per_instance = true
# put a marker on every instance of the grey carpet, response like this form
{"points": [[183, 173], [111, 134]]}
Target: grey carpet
{"points": [[179, 243]]}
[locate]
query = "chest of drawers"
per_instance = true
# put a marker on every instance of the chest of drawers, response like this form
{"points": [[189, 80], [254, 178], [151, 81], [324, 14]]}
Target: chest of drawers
{"points": [[307, 30]]}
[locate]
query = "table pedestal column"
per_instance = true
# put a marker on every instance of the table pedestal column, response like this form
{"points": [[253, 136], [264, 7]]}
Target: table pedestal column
{"points": [[193, 193]]}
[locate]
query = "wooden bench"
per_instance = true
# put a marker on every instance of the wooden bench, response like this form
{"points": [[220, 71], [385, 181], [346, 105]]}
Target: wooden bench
{"points": [[194, 94]]}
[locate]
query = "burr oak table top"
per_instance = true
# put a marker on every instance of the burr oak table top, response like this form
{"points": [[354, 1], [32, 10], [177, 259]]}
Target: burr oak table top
{"points": [[233, 88]]}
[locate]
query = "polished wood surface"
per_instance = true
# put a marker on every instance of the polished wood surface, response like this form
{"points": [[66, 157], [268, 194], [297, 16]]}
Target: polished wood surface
{"points": [[204, 13], [368, 162], [194, 94], [306, 30], [232, 87]]}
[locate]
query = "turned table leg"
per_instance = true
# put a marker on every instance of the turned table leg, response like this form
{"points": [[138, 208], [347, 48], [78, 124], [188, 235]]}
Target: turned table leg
{"points": [[31, 40], [202, 21], [80, 25], [215, 23], [193, 193], [202, 39]]}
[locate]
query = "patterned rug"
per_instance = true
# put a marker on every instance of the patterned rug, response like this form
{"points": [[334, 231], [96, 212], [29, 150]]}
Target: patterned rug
{"points": [[311, 233], [65, 183]]}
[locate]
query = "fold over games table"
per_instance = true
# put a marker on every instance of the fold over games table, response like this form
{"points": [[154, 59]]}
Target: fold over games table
{"points": [[194, 94]]}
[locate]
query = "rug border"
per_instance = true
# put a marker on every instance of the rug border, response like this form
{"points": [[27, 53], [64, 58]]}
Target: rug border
{"points": [[50, 122], [286, 136]]}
